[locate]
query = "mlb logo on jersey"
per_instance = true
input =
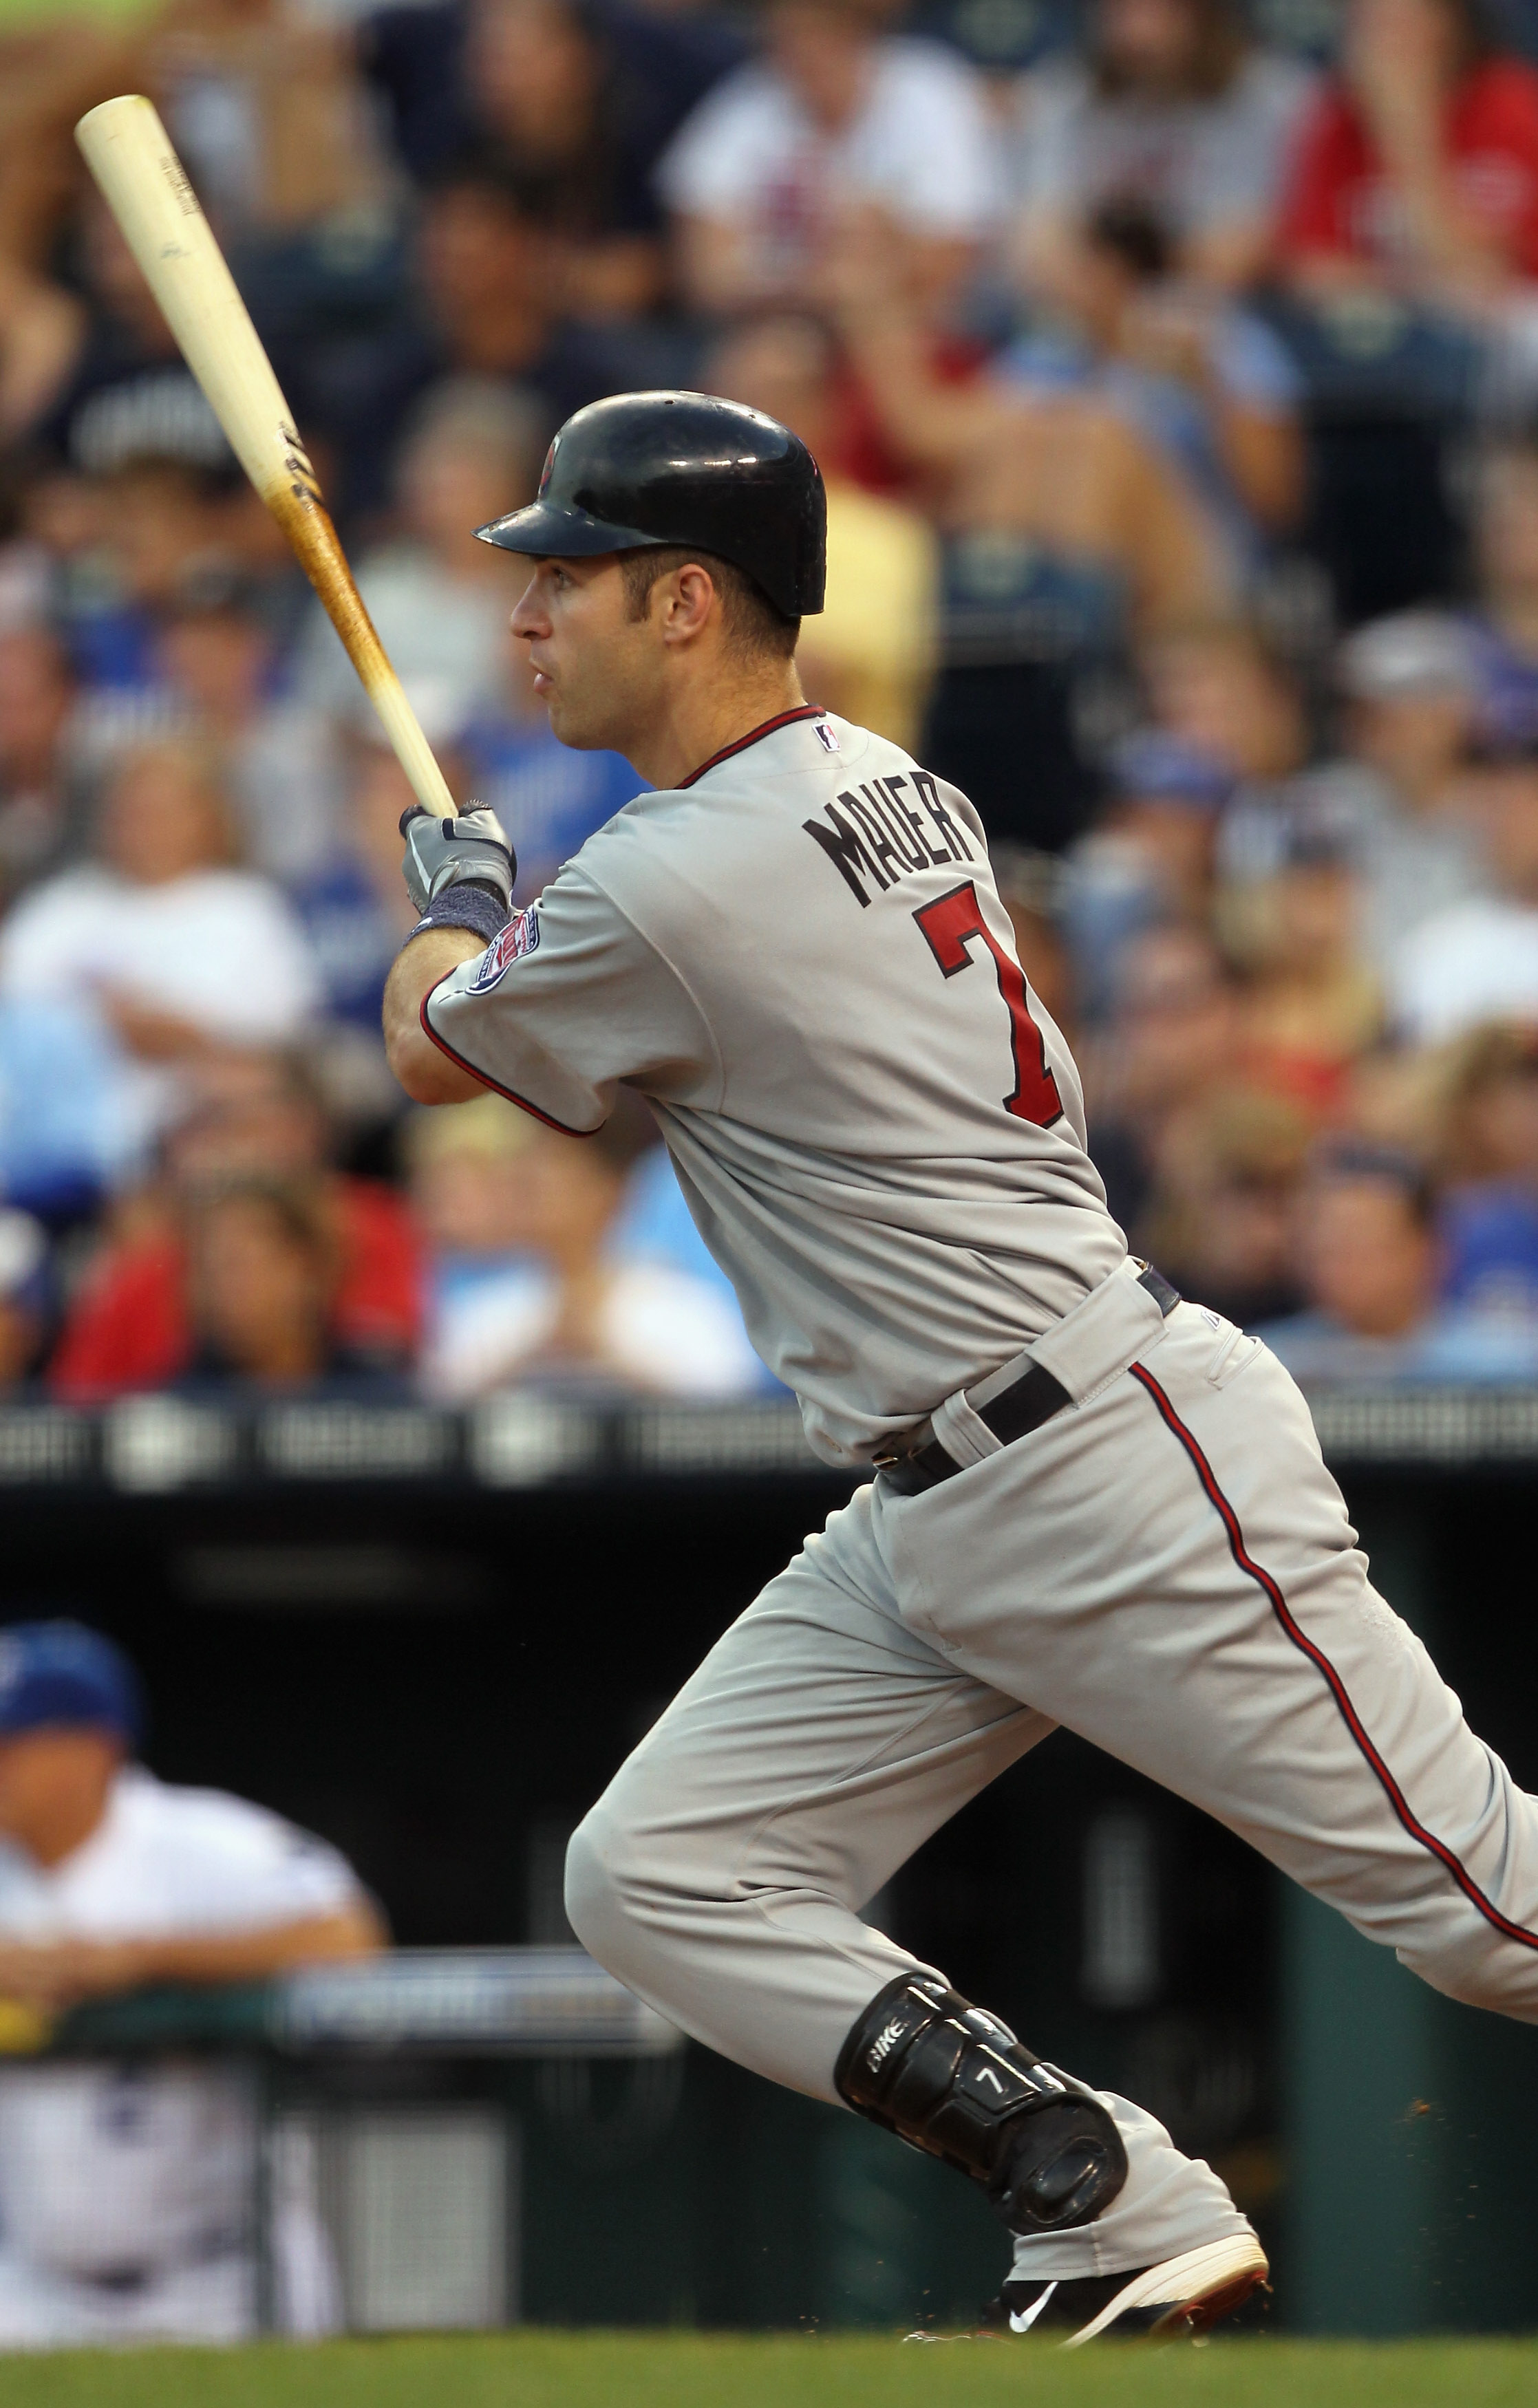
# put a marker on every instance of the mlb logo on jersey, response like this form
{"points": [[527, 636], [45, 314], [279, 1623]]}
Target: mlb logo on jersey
{"points": [[827, 739], [520, 936]]}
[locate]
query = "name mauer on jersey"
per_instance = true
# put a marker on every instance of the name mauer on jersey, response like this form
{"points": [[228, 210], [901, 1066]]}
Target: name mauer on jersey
{"points": [[873, 832], [880, 1138]]}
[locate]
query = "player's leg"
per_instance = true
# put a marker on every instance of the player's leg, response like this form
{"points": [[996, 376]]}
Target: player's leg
{"points": [[1171, 1573], [1169, 1570], [721, 1874]]}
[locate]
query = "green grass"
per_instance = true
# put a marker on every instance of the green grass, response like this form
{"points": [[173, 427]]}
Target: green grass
{"points": [[538, 2369]]}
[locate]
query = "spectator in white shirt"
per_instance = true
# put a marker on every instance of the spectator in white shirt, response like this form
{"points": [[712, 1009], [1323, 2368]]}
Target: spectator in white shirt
{"points": [[1171, 109], [1478, 959], [161, 942], [1403, 800], [567, 1261], [835, 117], [127, 2192]]}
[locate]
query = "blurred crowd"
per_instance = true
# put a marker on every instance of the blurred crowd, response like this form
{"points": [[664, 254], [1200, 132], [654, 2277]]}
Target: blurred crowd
{"points": [[1173, 366]]}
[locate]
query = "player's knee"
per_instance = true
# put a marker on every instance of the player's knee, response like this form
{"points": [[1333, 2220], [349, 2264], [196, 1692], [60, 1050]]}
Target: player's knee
{"points": [[590, 1891], [601, 1892]]}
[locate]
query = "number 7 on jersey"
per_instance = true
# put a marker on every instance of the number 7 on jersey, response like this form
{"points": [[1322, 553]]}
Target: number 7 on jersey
{"points": [[948, 926]]}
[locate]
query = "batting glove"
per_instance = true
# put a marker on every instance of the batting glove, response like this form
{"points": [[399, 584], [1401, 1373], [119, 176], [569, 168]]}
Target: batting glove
{"points": [[472, 850]]}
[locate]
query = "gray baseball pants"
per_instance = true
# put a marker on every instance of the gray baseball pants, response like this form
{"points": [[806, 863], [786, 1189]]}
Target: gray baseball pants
{"points": [[1165, 1567]]}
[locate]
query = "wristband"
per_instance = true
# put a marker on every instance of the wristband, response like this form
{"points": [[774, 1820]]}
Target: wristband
{"points": [[465, 905]]}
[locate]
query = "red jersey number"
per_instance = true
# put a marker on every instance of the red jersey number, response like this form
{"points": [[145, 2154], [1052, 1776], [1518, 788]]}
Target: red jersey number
{"points": [[949, 924]]}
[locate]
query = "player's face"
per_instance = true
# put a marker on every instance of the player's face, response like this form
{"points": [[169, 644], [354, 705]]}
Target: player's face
{"points": [[596, 669]]}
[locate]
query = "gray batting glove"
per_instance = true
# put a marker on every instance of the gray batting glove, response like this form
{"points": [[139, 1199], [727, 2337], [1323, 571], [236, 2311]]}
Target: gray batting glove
{"points": [[472, 850]]}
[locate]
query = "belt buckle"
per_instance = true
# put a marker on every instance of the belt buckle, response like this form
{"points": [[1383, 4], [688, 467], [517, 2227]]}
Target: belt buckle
{"points": [[902, 1469], [895, 1456]]}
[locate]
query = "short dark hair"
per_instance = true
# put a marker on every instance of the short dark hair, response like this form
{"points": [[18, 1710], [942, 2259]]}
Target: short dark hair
{"points": [[1219, 50], [1351, 1161], [1478, 32], [483, 169], [752, 623], [1134, 234], [296, 1207]]}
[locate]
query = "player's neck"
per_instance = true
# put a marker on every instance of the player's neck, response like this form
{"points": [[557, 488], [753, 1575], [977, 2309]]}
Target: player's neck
{"points": [[696, 720]]}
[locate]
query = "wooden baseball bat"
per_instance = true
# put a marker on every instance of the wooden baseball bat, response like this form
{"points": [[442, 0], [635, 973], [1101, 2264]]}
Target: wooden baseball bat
{"points": [[145, 186]]}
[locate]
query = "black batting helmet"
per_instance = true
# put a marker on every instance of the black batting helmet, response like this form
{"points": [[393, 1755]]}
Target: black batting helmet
{"points": [[643, 469]]}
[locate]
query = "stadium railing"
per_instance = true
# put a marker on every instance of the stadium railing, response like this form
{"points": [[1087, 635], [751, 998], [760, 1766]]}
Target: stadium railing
{"points": [[162, 1444], [382, 2121]]}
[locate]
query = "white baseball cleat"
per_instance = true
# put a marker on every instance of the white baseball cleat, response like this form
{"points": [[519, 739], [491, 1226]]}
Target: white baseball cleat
{"points": [[1178, 2299]]}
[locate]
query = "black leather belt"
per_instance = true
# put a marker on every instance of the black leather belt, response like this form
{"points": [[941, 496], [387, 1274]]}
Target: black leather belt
{"points": [[1022, 1407]]}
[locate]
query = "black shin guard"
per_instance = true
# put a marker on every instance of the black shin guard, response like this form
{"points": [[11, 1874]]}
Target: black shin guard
{"points": [[955, 2081]]}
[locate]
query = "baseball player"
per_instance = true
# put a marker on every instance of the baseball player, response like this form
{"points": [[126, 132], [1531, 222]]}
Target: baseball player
{"points": [[126, 2188], [1088, 1502]]}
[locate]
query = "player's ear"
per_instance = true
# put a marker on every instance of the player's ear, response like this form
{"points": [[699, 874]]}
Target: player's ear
{"points": [[690, 595]]}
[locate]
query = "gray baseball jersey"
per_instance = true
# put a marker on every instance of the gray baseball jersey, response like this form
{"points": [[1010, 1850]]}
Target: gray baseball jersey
{"points": [[800, 957]]}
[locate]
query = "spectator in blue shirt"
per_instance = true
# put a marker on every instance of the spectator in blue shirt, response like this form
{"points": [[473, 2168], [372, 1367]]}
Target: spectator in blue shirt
{"points": [[1205, 380], [1372, 1265], [355, 910]]}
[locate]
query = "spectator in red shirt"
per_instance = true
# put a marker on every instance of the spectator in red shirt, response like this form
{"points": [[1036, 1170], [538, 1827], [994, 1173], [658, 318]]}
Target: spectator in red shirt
{"points": [[130, 1326], [1417, 170]]}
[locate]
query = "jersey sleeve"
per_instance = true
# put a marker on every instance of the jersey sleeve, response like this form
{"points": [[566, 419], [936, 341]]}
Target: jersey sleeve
{"points": [[569, 1000]]}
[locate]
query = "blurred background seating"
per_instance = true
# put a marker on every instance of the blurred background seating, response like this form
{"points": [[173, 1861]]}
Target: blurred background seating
{"points": [[1174, 372]]}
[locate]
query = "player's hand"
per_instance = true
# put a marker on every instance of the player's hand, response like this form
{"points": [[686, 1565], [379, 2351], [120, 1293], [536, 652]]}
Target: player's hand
{"points": [[472, 850]]}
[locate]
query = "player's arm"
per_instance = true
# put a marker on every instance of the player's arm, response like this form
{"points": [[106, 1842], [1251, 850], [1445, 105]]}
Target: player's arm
{"points": [[562, 1004], [426, 1073], [459, 874], [54, 1974]]}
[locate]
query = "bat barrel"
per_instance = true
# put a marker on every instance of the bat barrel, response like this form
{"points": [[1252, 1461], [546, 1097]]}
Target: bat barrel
{"points": [[146, 187], [129, 152]]}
